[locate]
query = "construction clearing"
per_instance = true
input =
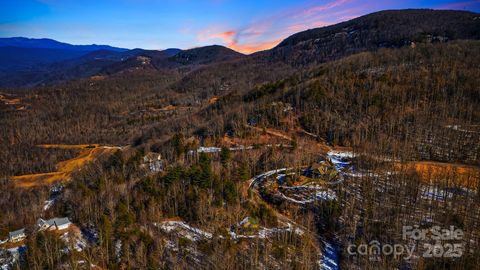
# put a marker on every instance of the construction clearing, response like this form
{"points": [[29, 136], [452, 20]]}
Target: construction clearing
{"points": [[87, 154]]}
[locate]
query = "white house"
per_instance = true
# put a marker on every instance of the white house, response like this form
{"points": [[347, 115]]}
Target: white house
{"points": [[153, 161], [17, 236], [53, 224]]}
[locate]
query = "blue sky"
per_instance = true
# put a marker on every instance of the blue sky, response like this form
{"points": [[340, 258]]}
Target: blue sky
{"points": [[245, 26]]}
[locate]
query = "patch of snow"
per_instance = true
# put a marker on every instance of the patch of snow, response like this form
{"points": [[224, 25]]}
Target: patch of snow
{"points": [[212, 149], [85, 263], [171, 245], [185, 230], [339, 164], [118, 249], [54, 193], [324, 195], [90, 234], [245, 220], [203, 149], [48, 204], [267, 232], [340, 154], [458, 128], [311, 187], [8, 257], [329, 258], [74, 240], [281, 178]]}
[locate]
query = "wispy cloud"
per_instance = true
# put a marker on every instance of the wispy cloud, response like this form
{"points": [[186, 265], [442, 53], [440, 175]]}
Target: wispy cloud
{"points": [[314, 10], [266, 32]]}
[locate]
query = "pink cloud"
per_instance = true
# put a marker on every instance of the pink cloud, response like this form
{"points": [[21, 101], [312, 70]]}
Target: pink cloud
{"points": [[214, 33], [251, 48], [227, 36], [229, 39], [266, 32]]}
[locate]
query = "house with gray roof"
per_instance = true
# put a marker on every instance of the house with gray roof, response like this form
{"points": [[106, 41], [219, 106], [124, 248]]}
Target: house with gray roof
{"points": [[17, 236], [62, 223], [53, 224]]}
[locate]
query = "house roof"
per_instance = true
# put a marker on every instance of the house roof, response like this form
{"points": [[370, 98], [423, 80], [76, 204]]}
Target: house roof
{"points": [[54, 221], [152, 156], [48, 222], [17, 233], [61, 221]]}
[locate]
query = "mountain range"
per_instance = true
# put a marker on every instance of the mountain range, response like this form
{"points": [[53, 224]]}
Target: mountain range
{"points": [[28, 62]]}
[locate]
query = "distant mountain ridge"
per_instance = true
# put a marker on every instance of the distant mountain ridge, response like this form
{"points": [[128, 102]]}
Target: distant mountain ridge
{"points": [[13, 59], [206, 55], [407, 23], [45, 43], [383, 29], [26, 66], [19, 54], [26, 62], [55, 61]]}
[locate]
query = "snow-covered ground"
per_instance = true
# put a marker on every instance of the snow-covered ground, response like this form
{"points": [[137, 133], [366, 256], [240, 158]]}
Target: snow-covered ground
{"points": [[184, 230], [55, 191], [8, 257], [84, 265], [90, 233], [459, 128], [203, 149], [265, 232], [48, 204], [341, 154], [340, 158], [322, 195], [74, 241], [213, 149], [329, 258], [195, 234], [118, 249]]}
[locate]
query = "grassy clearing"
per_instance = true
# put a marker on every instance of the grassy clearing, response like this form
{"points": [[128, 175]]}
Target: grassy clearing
{"points": [[88, 153], [436, 172]]}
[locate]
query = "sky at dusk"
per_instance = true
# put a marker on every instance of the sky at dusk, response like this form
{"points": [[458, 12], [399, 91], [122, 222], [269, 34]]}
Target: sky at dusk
{"points": [[246, 26]]}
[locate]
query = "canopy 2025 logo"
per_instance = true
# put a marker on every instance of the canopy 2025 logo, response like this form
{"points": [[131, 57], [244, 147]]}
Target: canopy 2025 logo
{"points": [[436, 243]]}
